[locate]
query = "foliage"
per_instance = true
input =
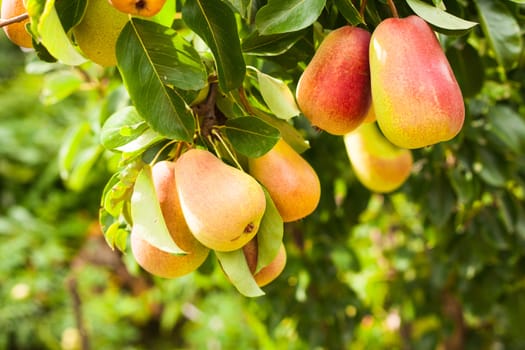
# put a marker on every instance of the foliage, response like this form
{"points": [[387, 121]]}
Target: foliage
{"points": [[438, 263]]}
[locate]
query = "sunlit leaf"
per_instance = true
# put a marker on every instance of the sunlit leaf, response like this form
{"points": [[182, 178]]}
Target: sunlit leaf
{"points": [[270, 234], [288, 16], [441, 19], [277, 96], [236, 269]]}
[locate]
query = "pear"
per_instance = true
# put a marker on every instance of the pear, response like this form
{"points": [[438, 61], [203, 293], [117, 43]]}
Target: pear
{"points": [[271, 271], [16, 32], [417, 99], [222, 205], [290, 180], [142, 8], [334, 90], [154, 260], [378, 164], [97, 33]]}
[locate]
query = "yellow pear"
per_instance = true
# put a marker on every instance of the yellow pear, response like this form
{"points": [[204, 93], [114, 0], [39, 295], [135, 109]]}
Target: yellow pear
{"points": [[378, 164], [271, 271], [154, 260], [97, 33], [16, 32], [222, 205], [291, 182], [143, 8]]}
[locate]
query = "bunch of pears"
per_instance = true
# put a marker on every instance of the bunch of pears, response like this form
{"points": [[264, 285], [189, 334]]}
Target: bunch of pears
{"points": [[208, 204], [399, 78], [97, 33]]}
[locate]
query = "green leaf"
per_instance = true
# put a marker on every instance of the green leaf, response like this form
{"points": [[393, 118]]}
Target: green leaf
{"points": [[277, 96], [440, 19], [215, 23], [288, 16], [165, 16], [270, 234], [288, 132], [151, 47], [70, 12], [116, 236], [122, 127], [489, 167], [251, 136], [468, 68], [508, 126], [502, 31], [236, 269], [148, 221], [54, 37], [349, 12], [270, 45], [59, 85]]}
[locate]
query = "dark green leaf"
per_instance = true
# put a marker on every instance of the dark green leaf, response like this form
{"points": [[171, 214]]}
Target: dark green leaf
{"points": [[349, 12], [502, 31], [507, 125], [215, 23], [288, 16], [236, 269], [70, 12], [145, 71], [490, 167], [440, 19], [468, 68], [251, 136], [270, 234], [270, 45]]}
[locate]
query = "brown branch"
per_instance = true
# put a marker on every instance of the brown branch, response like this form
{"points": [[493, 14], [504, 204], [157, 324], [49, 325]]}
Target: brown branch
{"points": [[16, 19], [77, 310], [393, 8]]}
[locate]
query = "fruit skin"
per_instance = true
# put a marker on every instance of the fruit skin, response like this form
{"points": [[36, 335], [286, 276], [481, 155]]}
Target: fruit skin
{"points": [[154, 260], [223, 206], [334, 89], [16, 32], [378, 164], [290, 180], [271, 271], [97, 33], [416, 97], [143, 8]]}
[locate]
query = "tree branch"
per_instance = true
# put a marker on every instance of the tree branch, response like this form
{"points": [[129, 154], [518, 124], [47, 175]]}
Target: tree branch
{"points": [[16, 19]]}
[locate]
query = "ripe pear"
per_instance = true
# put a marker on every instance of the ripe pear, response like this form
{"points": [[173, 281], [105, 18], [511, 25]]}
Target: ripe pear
{"points": [[154, 260], [222, 205], [417, 99], [291, 182], [334, 89], [378, 164], [271, 271], [97, 33], [16, 32], [142, 8]]}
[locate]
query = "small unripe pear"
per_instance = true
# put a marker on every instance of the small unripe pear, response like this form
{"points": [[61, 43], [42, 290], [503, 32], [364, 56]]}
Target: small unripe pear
{"points": [[97, 33], [378, 164], [142, 8], [334, 89], [223, 206], [16, 32], [290, 180], [154, 260], [417, 100]]}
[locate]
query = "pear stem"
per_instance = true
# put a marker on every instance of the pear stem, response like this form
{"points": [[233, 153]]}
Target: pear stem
{"points": [[16, 19], [217, 134], [362, 9], [393, 8], [157, 155]]}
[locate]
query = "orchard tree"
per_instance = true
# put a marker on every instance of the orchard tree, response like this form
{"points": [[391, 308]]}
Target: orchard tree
{"points": [[354, 170]]}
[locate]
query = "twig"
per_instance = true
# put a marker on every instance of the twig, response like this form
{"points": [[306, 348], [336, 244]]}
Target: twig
{"points": [[77, 310], [16, 19], [362, 9]]}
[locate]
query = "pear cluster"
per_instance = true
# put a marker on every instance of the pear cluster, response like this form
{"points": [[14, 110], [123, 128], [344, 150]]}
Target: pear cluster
{"points": [[209, 205], [399, 78]]}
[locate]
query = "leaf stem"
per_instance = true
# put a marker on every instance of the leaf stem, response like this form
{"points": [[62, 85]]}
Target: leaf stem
{"points": [[393, 8], [157, 155], [217, 134], [362, 9], [16, 19]]}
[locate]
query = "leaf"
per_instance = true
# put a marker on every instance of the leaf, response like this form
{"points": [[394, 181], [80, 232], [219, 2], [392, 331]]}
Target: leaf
{"points": [[59, 85], [251, 136], [441, 19], [236, 269], [270, 234], [165, 16], [489, 167], [507, 125], [138, 46], [122, 127], [288, 132], [114, 233], [270, 45], [55, 39], [215, 23], [148, 221], [468, 68], [70, 12], [349, 12], [277, 96], [287, 16], [502, 31]]}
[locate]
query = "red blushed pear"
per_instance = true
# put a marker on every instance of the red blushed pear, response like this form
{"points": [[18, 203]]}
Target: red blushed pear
{"points": [[334, 89], [417, 100]]}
